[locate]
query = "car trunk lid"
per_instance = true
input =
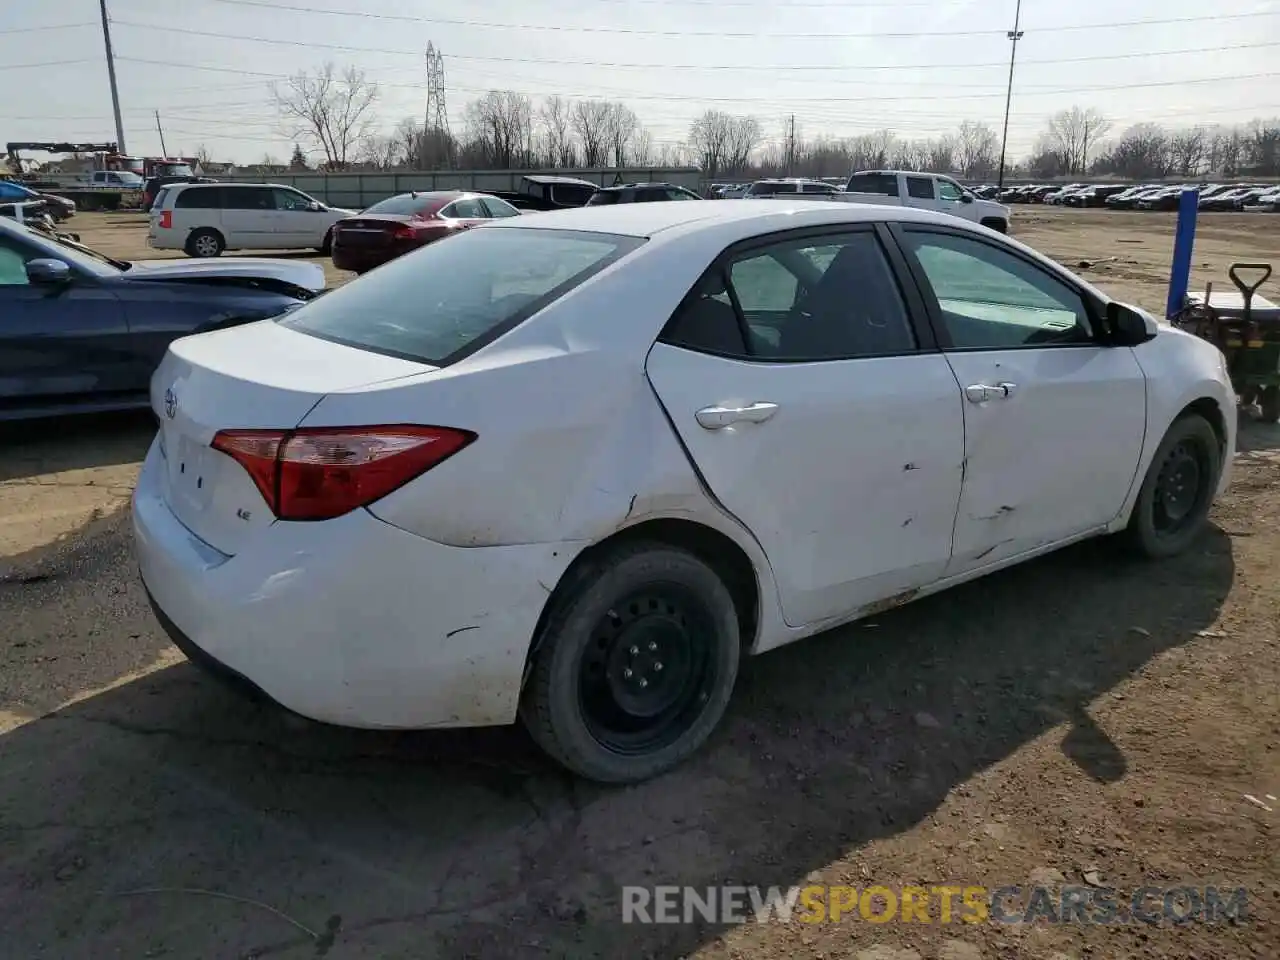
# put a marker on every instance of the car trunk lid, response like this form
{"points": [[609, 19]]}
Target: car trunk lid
{"points": [[374, 230], [234, 379]]}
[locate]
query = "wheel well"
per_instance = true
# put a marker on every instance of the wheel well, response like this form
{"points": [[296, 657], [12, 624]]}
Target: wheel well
{"points": [[710, 546], [995, 223], [1208, 408]]}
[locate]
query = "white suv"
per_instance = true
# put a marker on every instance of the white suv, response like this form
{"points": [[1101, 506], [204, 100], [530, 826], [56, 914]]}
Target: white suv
{"points": [[206, 218]]}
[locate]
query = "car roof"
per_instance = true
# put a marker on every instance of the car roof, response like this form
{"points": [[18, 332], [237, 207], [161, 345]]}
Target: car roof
{"points": [[547, 178], [649, 219]]}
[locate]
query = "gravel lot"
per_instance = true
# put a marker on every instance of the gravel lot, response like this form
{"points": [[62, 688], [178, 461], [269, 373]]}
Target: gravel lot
{"points": [[1078, 714]]}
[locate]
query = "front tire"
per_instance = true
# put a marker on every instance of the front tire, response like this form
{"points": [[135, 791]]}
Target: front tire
{"points": [[999, 226], [205, 243], [635, 665], [1173, 504]]}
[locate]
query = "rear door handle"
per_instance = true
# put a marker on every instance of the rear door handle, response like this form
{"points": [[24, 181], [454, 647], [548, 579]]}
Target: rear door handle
{"points": [[717, 418], [982, 392]]}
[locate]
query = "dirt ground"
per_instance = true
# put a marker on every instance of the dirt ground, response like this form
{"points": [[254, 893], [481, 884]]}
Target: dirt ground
{"points": [[1081, 720]]}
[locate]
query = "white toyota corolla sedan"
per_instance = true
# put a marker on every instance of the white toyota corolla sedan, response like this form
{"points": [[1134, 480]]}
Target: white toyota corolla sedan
{"points": [[571, 468]]}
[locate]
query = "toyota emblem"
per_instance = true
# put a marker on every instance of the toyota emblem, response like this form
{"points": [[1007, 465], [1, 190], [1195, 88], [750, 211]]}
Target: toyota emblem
{"points": [[170, 403]]}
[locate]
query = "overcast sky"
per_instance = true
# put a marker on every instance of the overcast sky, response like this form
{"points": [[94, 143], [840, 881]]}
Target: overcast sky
{"points": [[918, 67]]}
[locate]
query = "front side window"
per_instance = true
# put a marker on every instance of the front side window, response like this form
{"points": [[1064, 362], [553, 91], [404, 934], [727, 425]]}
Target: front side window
{"points": [[447, 299], [992, 299], [248, 198], [291, 200], [827, 298], [13, 265], [947, 190], [499, 208]]}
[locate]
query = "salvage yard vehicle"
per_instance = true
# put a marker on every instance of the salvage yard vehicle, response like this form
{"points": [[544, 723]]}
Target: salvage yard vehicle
{"points": [[82, 332], [784, 186], [571, 468], [205, 219], [399, 224], [924, 191], [543, 192], [640, 193]]}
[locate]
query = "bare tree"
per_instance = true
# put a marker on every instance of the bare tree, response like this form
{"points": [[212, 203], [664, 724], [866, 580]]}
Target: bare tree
{"points": [[621, 125], [202, 155], [976, 148], [1142, 152], [330, 110], [380, 151], [743, 137], [557, 127], [1226, 151], [709, 141], [501, 127], [790, 145], [1188, 151], [1263, 147], [1073, 132], [590, 121], [642, 148]]}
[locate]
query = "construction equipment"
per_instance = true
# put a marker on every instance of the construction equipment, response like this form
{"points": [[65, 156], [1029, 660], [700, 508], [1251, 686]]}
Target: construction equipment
{"points": [[1246, 328]]}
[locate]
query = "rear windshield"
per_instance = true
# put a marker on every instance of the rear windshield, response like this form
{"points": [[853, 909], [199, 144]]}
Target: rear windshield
{"points": [[450, 298], [405, 204]]}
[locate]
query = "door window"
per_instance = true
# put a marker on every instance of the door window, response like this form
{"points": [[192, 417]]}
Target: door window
{"points": [[499, 208], [13, 266], [202, 198], [885, 184], [827, 298], [468, 208], [673, 194], [291, 200], [248, 198], [991, 299], [949, 191], [920, 188]]}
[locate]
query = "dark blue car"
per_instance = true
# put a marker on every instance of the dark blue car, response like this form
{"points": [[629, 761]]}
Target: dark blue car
{"points": [[82, 332]]}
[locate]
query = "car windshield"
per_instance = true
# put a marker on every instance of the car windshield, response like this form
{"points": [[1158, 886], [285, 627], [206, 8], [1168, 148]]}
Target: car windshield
{"points": [[405, 204], [450, 298]]}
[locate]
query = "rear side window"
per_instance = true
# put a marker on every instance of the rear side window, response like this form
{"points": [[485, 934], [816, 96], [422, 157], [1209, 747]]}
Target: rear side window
{"points": [[499, 208], [468, 208], [920, 188], [885, 184], [603, 197], [449, 299], [203, 198], [161, 195], [571, 194]]}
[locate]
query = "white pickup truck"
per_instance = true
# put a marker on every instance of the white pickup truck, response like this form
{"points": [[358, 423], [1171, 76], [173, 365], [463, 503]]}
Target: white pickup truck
{"points": [[927, 191]]}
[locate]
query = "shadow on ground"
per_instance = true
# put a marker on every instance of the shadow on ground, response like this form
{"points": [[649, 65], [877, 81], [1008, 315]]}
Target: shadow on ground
{"points": [[35, 447], [165, 817]]}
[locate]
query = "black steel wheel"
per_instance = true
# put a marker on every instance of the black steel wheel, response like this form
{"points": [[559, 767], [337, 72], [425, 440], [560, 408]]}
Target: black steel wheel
{"points": [[635, 665], [1173, 503]]}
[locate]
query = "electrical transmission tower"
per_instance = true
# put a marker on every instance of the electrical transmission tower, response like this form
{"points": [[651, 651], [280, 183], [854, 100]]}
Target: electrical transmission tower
{"points": [[437, 142]]}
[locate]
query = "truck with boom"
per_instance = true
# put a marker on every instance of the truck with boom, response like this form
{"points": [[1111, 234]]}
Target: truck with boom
{"points": [[111, 181]]}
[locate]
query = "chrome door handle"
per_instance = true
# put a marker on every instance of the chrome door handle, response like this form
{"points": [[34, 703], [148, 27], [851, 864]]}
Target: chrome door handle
{"points": [[982, 392], [717, 418]]}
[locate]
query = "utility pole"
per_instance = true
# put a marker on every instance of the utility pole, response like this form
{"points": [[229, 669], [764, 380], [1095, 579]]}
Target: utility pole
{"points": [[111, 75], [164, 151], [1015, 35]]}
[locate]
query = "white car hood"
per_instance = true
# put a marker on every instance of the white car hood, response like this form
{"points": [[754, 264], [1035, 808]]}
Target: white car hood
{"points": [[309, 276]]}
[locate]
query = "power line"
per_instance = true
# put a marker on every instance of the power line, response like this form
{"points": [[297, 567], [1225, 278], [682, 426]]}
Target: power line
{"points": [[56, 26], [859, 67], [702, 98], [46, 63], [725, 34]]}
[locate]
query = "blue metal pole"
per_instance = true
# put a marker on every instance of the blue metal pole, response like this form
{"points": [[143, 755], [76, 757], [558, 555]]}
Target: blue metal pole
{"points": [[1183, 243]]}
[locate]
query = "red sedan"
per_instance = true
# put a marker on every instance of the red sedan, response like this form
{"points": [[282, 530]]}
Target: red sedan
{"points": [[405, 222]]}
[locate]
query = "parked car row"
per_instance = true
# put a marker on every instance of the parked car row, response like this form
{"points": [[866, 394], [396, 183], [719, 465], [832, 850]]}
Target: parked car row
{"points": [[1152, 196]]}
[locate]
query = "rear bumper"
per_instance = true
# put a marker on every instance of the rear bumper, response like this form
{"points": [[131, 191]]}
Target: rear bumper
{"points": [[360, 259], [351, 621]]}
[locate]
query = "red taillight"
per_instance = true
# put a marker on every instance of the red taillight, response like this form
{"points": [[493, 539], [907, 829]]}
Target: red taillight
{"points": [[317, 473], [166, 219], [405, 232]]}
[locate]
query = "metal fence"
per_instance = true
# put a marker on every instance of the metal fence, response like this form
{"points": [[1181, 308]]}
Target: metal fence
{"points": [[359, 190]]}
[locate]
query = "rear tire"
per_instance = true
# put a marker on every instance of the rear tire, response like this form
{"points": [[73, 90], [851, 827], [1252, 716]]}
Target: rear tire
{"points": [[1269, 404], [635, 665], [1173, 503], [326, 248], [205, 243]]}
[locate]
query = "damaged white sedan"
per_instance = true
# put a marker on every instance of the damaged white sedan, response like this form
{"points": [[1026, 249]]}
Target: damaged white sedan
{"points": [[571, 468]]}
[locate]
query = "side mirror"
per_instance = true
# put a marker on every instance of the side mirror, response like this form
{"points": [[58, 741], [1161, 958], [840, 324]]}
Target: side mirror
{"points": [[1129, 327], [966, 198], [316, 207], [48, 272]]}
